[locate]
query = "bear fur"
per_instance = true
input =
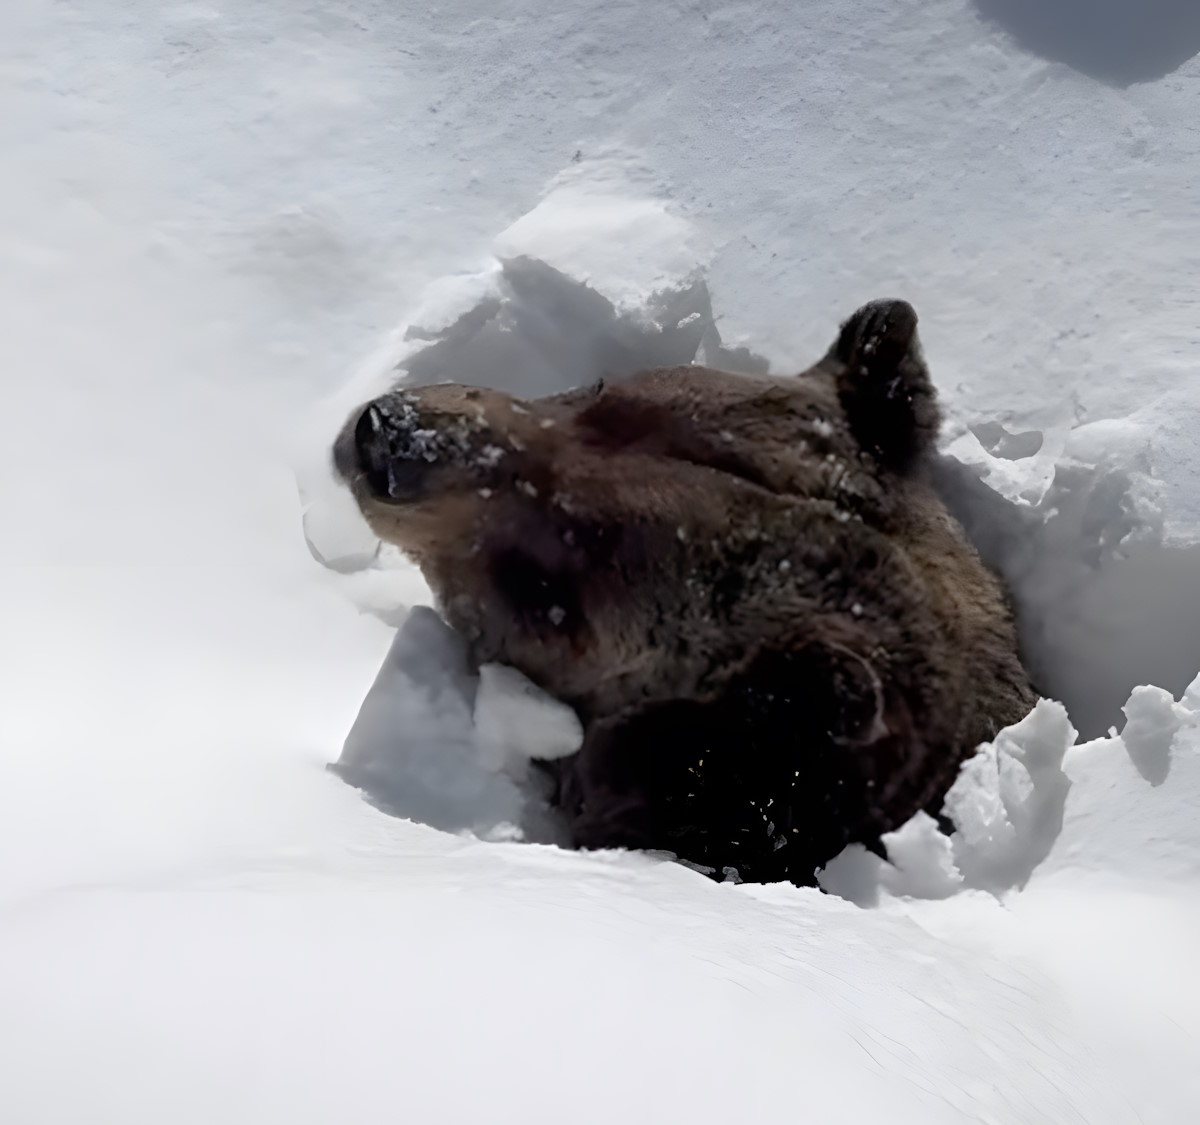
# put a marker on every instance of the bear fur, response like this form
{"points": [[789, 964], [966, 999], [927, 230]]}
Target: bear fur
{"points": [[776, 638]]}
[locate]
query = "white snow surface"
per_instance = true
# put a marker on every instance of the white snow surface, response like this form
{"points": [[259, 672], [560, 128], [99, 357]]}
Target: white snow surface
{"points": [[212, 212]]}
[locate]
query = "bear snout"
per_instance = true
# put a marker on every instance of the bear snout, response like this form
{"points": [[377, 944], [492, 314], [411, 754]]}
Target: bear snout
{"points": [[386, 451], [411, 445]]}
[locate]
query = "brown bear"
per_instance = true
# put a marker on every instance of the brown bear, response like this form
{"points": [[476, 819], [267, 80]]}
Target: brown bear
{"points": [[777, 640]]}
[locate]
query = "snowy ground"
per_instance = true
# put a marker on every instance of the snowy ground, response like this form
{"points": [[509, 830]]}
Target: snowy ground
{"points": [[212, 213]]}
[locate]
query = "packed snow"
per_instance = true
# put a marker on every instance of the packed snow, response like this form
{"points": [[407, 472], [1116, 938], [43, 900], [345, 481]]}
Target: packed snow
{"points": [[225, 225]]}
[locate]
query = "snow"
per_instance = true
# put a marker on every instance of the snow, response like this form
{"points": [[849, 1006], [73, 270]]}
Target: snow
{"points": [[1154, 718], [1007, 808], [211, 214], [519, 722], [436, 744]]}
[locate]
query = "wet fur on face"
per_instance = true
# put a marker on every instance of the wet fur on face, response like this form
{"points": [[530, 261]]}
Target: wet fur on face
{"points": [[777, 639]]}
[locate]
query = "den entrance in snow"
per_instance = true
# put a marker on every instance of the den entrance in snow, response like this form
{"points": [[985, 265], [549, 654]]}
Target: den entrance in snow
{"points": [[1104, 603]]}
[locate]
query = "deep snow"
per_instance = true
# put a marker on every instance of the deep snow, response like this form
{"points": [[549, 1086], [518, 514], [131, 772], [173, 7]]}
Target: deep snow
{"points": [[211, 212]]}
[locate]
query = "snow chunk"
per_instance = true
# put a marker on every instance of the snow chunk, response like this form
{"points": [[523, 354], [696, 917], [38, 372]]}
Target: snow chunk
{"points": [[1024, 806], [920, 865], [1007, 807], [1153, 719], [597, 222], [1119, 828], [516, 721], [1191, 698], [922, 858], [855, 874], [1008, 800], [334, 530], [414, 749]]}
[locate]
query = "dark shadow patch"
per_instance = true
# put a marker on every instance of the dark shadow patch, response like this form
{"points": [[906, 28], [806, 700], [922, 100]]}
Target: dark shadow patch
{"points": [[1118, 42]]}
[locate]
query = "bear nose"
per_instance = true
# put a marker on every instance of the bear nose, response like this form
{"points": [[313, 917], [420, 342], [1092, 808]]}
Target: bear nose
{"points": [[380, 451]]}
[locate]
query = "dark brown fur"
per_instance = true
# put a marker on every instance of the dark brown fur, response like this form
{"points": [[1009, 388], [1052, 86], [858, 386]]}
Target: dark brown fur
{"points": [[776, 638]]}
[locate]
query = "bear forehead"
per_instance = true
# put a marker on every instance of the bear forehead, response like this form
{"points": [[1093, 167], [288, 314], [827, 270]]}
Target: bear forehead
{"points": [[710, 400], [674, 429]]}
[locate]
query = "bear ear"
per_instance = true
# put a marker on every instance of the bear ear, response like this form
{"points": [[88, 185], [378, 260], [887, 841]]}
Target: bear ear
{"points": [[883, 384]]}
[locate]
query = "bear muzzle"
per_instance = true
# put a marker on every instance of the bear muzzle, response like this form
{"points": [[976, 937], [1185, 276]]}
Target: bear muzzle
{"points": [[401, 447], [386, 452]]}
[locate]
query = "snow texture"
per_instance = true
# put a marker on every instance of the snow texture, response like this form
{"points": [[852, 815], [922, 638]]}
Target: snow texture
{"points": [[211, 210]]}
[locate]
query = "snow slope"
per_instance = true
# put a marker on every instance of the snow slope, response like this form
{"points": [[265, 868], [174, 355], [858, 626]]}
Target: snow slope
{"points": [[211, 212]]}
